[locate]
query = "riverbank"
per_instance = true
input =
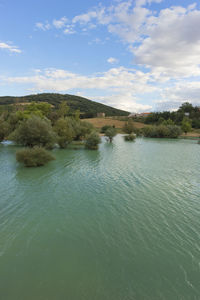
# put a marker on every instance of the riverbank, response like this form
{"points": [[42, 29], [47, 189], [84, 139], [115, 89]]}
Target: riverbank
{"points": [[98, 123]]}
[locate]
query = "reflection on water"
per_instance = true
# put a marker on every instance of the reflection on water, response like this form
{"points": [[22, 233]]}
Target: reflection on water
{"points": [[118, 223]]}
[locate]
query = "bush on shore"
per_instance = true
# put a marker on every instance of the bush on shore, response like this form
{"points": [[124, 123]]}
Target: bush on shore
{"points": [[34, 157], [162, 131], [92, 141]]}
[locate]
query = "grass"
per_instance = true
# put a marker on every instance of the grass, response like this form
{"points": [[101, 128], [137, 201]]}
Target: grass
{"points": [[100, 122]]}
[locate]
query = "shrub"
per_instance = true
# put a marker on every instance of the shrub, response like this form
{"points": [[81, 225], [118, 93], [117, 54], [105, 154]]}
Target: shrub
{"points": [[34, 157], [174, 131], [92, 141], [110, 133], [35, 132], [130, 137], [186, 125]]}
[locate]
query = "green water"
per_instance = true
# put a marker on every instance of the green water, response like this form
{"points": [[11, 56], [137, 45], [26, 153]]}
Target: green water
{"points": [[115, 224]]}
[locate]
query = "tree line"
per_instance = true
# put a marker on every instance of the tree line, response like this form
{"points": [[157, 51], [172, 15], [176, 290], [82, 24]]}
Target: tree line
{"points": [[186, 112], [38, 128]]}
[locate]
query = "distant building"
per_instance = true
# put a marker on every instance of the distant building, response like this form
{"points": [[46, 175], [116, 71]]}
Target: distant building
{"points": [[187, 114], [132, 115], [135, 115], [101, 115]]}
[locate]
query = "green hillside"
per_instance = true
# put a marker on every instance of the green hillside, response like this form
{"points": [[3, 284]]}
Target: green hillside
{"points": [[87, 107]]}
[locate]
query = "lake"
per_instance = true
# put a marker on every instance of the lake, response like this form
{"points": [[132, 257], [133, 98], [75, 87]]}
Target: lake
{"points": [[119, 223]]}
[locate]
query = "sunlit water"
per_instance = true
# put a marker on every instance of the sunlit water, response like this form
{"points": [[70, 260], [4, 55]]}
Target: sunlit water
{"points": [[115, 224]]}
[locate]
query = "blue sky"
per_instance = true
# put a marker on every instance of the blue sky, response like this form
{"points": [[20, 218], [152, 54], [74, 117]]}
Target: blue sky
{"points": [[137, 55]]}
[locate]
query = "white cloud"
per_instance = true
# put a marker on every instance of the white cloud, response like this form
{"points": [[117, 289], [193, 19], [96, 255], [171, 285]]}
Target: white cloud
{"points": [[85, 18], [121, 87], [43, 26], [11, 48], [168, 42], [125, 101], [144, 2], [60, 23], [112, 60], [69, 29], [173, 43]]}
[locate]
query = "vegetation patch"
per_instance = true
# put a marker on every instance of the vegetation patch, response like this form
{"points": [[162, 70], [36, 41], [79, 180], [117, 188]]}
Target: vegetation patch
{"points": [[34, 157], [110, 133], [130, 137], [162, 131], [92, 141]]}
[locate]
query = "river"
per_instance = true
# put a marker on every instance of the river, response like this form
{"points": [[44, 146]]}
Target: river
{"points": [[120, 223]]}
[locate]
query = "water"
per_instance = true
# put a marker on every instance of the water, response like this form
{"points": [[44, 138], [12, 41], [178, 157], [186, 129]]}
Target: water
{"points": [[115, 224]]}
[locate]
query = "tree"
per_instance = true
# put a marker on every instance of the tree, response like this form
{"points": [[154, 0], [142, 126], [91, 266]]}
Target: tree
{"points": [[105, 127], [63, 109], [35, 132], [161, 120], [168, 122], [186, 125], [110, 133], [64, 131], [81, 129], [77, 114], [129, 127], [186, 107], [39, 109], [92, 141], [34, 157], [4, 129]]}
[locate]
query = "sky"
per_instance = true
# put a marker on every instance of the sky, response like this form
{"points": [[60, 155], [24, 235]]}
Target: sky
{"points": [[136, 55]]}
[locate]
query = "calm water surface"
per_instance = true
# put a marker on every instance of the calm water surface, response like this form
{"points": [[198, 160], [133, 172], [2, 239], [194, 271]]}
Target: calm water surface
{"points": [[121, 223]]}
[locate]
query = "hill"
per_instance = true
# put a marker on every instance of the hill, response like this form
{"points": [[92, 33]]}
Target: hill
{"points": [[88, 108]]}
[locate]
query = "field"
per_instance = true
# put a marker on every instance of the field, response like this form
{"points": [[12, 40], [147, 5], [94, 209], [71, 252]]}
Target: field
{"points": [[100, 122]]}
